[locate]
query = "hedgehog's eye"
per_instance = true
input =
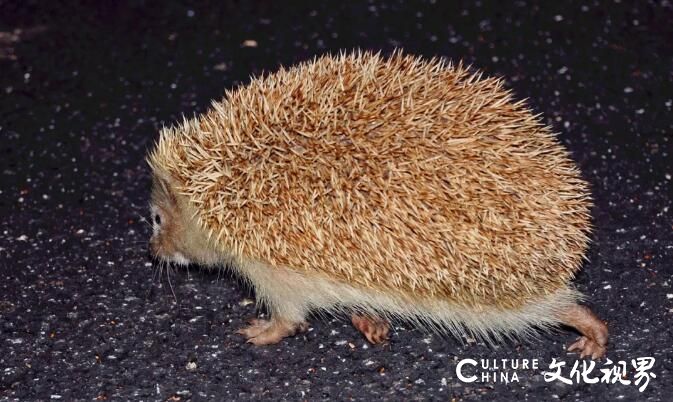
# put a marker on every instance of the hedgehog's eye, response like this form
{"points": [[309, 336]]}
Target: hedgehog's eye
{"points": [[157, 219]]}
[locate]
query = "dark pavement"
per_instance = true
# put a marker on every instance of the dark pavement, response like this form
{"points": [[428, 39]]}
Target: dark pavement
{"points": [[85, 87]]}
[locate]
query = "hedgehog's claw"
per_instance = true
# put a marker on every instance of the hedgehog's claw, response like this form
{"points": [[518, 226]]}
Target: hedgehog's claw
{"points": [[374, 329], [587, 347], [267, 332], [254, 328]]}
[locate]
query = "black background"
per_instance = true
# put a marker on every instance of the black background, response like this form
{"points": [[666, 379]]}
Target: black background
{"points": [[85, 87]]}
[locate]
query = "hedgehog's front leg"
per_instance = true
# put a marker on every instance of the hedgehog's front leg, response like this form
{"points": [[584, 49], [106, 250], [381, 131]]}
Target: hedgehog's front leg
{"points": [[594, 332], [266, 332], [284, 293]]}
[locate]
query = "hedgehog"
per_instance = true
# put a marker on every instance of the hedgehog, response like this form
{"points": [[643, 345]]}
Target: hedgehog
{"points": [[385, 187]]}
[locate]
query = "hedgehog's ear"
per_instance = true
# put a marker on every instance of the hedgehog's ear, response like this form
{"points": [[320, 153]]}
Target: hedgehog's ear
{"points": [[163, 188], [163, 184]]}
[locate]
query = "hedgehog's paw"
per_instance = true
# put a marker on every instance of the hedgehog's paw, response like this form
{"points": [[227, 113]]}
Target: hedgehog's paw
{"points": [[587, 347], [594, 332], [256, 326], [267, 332], [374, 329]]}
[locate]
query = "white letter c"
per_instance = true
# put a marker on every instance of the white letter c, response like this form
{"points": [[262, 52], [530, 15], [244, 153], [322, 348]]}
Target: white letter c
{"points": [[459, 373]]}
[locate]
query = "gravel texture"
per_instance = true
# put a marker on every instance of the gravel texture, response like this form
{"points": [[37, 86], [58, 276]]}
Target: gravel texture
{"points": [[85, 87]]}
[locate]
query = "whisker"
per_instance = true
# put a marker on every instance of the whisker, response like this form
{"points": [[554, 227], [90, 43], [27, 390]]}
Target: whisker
{"points": [[141, 215], [155, 271], [141, 218], [134, 242], [168, 275]]}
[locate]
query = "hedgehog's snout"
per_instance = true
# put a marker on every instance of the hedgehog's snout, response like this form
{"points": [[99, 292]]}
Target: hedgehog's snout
{"points": [[160, 246], [154, 246], [158, 223], [157, 250]]}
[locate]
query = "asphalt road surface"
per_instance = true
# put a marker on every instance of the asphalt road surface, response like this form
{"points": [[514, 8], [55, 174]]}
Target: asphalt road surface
{"points": [[85, 87]]}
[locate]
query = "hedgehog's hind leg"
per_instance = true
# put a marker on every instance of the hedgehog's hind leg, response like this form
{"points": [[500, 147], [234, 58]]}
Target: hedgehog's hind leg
{"points": [[594, 331], [374, 329]]}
